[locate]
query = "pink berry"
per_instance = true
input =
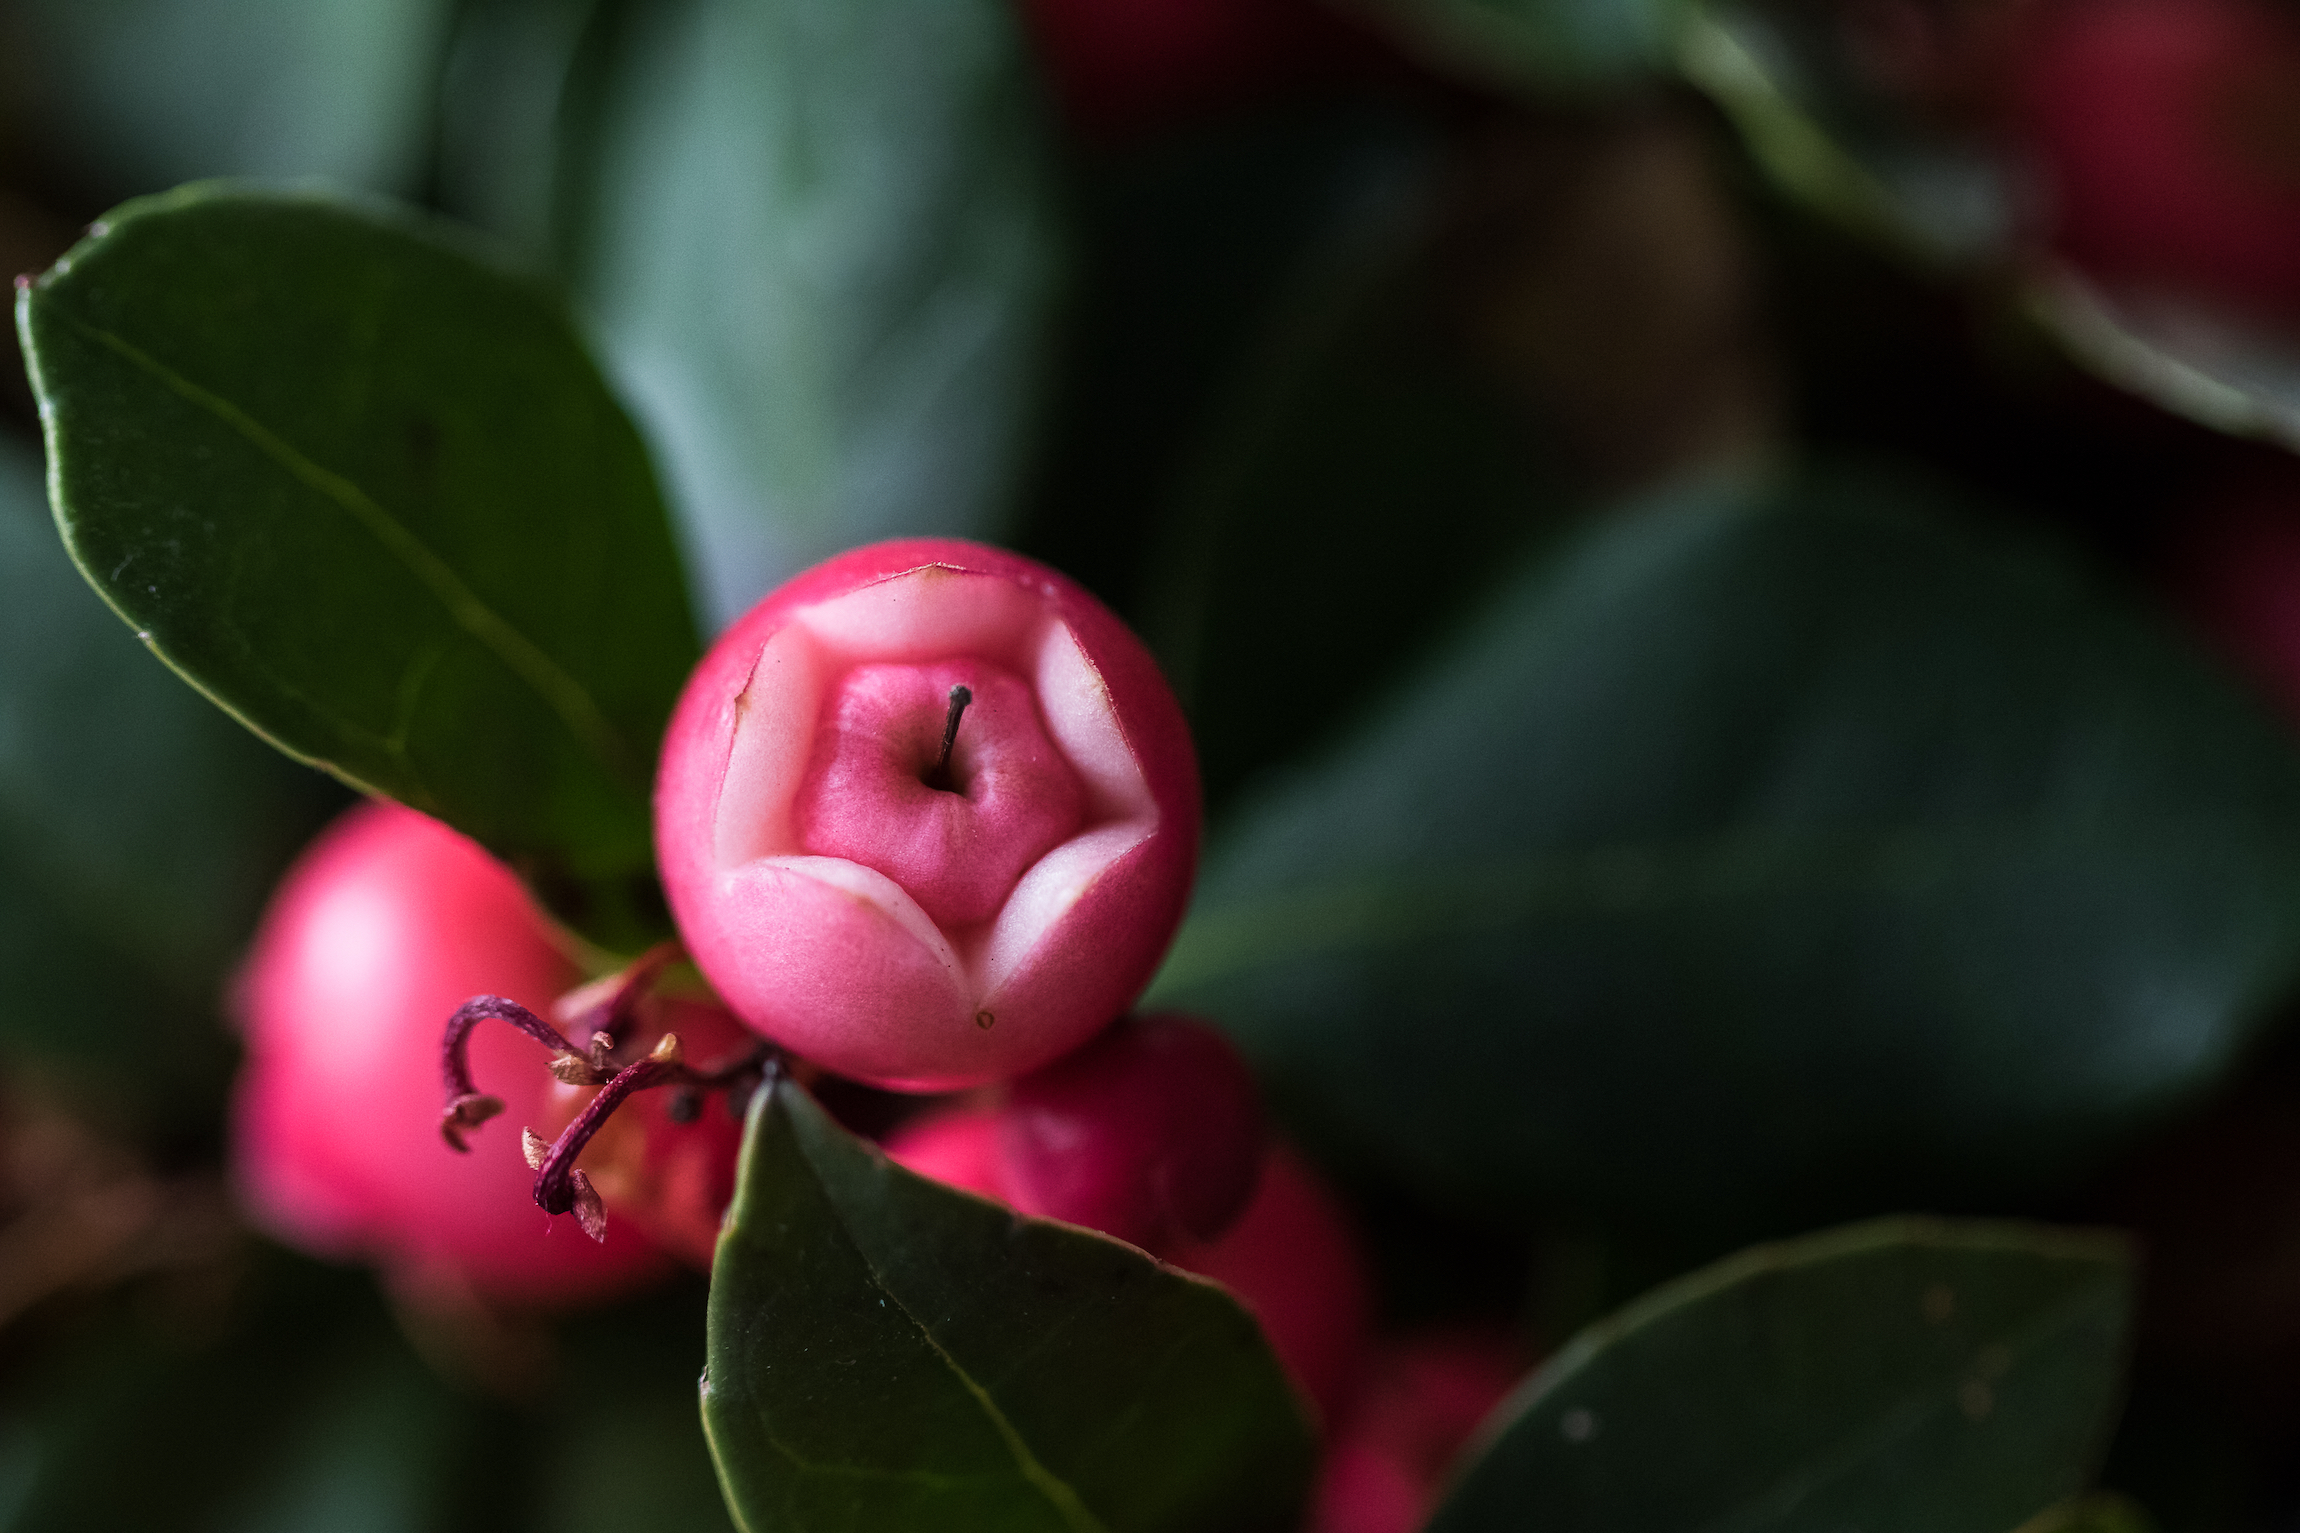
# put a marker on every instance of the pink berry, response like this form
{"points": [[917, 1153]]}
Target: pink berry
{"points": [[905, 918], [1418, 1404], [2165, 133], [385, 925], [957, 1146], [1152, 1133], [665, 1161], [1291, 1257]]}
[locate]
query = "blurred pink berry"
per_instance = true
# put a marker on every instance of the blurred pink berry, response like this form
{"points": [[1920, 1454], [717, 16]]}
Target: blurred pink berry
{"points": [[2165, 130], [1291, 1257], [903, 917], [1122, 66], [1420, 1401], [1152, 1133], [386, 924]]}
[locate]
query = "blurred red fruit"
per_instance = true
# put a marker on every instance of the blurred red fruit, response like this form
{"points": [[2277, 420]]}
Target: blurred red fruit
{"points": [[1121, 66], [384, 926], [2168, 135]]}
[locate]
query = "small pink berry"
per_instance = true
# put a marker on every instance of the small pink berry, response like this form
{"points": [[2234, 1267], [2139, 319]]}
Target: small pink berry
{"points": [[386, 924], [1151, 1133], [1294, 1259], [927, 815], [1291, 1257], [957, 1146], [1420, 1401]]}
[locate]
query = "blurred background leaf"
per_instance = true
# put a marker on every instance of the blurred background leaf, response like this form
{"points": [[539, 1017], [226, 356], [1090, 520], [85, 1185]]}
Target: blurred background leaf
{"points": [[140, 830], [1761, 855], [135, 95], [1574, 45], [819, 241], [1899, 1374]]}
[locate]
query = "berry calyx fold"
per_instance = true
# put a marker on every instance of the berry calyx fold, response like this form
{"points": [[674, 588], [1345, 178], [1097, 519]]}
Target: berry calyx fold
{"points": [[910, 917]]}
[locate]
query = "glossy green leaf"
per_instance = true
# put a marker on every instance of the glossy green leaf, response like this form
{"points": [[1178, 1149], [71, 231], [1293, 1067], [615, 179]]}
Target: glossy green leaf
{"points": [[1901, 1376], [1570, 44], [363, 487], [886, 1353], [1765, 854], [140, 830], [818, 239], [141, 94]]}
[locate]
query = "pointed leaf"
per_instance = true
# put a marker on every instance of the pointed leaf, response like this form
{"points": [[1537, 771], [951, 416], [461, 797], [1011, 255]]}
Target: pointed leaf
{"points": [[818, 236], [1906, 1374], [141, 94], [887, 1353], [1765, 855], [362, 486]]}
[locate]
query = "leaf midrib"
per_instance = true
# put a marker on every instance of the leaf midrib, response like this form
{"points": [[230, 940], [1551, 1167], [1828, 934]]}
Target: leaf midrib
{"points": [[567, 699]]}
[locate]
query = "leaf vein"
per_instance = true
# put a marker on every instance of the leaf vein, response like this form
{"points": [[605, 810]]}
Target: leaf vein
{"points": [[566, 697]]}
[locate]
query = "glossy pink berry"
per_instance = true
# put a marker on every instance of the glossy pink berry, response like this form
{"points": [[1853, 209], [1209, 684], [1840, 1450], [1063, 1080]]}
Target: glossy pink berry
{"points": [[1152, 1133], [927, 815], [2162, 129], [385, 925]]}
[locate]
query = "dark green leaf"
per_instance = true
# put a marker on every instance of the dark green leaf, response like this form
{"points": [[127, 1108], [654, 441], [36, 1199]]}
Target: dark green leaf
{"points": [[363, 487], [1786, 72], [630, 1453], [886, 1353], [1764, 854], [819, 243], [2104, 1512], [1571, 44], [1361, 409], [1902, 1376], [139, 831], [141, 94], [292, 1405], [1789, 75]]}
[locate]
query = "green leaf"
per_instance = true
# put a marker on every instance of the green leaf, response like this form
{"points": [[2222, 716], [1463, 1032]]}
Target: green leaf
{"points": [[1765, 854], [362, 487], [886, 1353], [141, 94], [139, 833], [1814, 119], [818, 239], [631, 1453], [283, 1402], [1787, 75], [1547, 44], [1901, 1375], [2104, 1512]]}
